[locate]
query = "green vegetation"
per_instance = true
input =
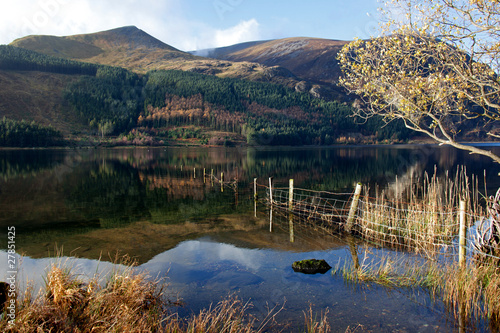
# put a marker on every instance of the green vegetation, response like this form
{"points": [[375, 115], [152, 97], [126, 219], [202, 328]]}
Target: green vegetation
{"points": [[23, 134], [267, 114]]}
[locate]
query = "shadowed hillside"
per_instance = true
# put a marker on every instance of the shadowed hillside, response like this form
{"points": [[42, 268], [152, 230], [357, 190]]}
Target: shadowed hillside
{"points": [[309, 58]]}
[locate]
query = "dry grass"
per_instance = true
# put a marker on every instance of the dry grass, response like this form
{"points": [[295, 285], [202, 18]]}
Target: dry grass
{"points": [[128, 301], [314, 325], [393, 272], [473, 292], [424, 218]]}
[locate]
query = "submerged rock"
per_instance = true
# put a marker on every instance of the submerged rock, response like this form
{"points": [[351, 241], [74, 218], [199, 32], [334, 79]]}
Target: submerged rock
{"points": [[311, 266]]}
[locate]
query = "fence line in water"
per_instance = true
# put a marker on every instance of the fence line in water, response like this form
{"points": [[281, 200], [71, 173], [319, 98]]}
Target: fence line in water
{"points": [[428, 229]]}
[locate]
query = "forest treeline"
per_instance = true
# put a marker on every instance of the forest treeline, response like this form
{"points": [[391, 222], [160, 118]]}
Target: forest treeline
{"points": [[16, 58], [265, 113], [24, 134], [114, 101]]}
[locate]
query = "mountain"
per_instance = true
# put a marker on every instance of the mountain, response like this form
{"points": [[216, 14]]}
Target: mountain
{"points": [[312, 60], [127, 47], [133, 49]]}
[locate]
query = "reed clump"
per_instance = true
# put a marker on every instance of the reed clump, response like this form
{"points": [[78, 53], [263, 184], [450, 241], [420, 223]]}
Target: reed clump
{"points": [[470, 293], [423, 217], [473, 291], [129, 301]]}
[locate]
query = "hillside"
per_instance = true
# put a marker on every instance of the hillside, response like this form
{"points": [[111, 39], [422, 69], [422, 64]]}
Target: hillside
{"points": [[134, 49], [154, 108], [37, 96], [310, 59]]}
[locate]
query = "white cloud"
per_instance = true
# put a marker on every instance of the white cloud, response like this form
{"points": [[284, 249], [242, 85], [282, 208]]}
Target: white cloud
{"points": [[244, 31], [206, 37]]}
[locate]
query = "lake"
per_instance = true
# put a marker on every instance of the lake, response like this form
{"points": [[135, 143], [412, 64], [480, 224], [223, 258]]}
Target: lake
{"points": [[155, 205]]}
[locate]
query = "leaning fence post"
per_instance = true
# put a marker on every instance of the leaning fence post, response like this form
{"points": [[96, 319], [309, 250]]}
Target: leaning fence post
{"points": [[290, 210], [462, 236], [354, 208], [255, 196]]}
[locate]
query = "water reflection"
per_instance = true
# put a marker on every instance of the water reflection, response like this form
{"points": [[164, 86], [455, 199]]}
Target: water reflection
{"points": [[157, 198]]}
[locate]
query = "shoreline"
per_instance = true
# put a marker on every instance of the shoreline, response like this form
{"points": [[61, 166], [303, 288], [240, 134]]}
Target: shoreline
{"points": [[179, 145]]}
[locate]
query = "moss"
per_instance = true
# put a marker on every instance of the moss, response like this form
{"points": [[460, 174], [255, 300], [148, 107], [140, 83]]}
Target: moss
{"points": [[311, 266]]}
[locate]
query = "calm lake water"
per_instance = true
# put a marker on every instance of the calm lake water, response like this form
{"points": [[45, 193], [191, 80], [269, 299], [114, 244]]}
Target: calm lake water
{"points": [[154, 205]]}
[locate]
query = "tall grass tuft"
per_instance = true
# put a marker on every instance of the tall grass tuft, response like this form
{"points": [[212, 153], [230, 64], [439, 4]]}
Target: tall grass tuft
{"points": [[313, 325], [126, 302]]}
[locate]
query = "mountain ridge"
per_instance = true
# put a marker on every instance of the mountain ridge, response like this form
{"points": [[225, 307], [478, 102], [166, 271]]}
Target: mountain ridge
{"points": [[132, 48], [126, 37], [310, 58]]}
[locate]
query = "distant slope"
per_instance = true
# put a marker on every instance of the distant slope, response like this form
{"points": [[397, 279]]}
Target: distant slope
{"points": [[221, 52], [84, 98], [310, 59], [134, 49]]}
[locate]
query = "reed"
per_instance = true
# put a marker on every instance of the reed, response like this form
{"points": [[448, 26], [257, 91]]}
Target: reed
{"points": [[423, 218], [313, 324], [392, 272], [471, 292]]}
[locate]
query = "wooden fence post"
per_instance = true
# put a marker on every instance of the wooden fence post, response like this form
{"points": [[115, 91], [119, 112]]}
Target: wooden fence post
{"points": [[222, 181], [271, 190], [354, 208], [255, 196], [462, 236], [271, 204], [290, 212]]}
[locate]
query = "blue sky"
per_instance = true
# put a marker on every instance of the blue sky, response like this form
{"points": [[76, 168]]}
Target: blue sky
{"points": [[193, 24]]}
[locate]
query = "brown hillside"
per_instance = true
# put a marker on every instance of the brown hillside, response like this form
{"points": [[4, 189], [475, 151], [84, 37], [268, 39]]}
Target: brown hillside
{"points": [[312, 59], [37, 96], [127, 47]]}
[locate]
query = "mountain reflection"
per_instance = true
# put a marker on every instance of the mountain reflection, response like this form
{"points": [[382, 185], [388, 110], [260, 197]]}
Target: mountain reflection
{"points": [[148, 200]]}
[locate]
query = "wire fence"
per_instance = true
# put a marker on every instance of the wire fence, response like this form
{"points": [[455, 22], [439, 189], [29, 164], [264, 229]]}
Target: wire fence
{"points": [[430, 229]]}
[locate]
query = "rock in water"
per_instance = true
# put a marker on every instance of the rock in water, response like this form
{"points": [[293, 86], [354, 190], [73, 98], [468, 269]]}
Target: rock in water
{"points": [[311, 266]]}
